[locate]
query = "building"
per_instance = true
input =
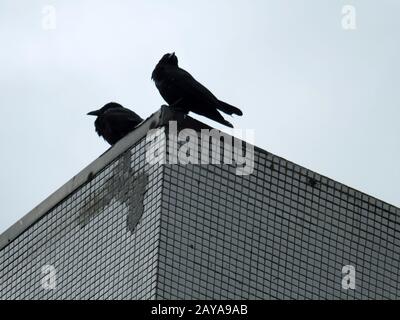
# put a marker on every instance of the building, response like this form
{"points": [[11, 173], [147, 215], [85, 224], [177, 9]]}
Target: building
{"points": [[125, 228]]}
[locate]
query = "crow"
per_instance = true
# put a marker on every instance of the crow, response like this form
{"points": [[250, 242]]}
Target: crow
{"points": [[114, 122], [180, 90]]}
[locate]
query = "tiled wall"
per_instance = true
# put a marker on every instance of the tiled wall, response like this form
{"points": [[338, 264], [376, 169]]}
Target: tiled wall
{"points": [[281, 233], [91, 240], [141, 231]]}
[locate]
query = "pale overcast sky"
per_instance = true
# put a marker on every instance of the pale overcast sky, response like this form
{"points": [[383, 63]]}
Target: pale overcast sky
{"points": [[321, 96]]}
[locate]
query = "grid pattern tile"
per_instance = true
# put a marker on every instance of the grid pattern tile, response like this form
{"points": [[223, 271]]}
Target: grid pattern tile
{"points": [[102, 240], [283, 232]]}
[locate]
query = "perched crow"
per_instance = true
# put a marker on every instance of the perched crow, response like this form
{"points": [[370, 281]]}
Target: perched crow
{"points": [[114, 122], [179, 89]]}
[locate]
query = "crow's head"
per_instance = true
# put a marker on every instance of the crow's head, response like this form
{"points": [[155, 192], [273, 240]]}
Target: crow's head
{"points": [[108, 106], [170, 59]]}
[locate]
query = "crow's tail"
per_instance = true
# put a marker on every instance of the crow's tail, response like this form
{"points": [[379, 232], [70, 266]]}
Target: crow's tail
{"points": [[226, 123], [216, 116], [228, 109]]}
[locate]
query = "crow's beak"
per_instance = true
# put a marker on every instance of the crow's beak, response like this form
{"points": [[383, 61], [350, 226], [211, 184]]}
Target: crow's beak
{"points": [[94, 113], [172, 55]]}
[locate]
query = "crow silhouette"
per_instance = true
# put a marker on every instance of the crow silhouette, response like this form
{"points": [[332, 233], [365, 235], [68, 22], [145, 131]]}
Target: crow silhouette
{"points": [[113, 122], [180, 90]]}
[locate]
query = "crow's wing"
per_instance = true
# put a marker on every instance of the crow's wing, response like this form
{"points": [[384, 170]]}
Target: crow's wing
{"points": [[181, 83], [122, 120]]}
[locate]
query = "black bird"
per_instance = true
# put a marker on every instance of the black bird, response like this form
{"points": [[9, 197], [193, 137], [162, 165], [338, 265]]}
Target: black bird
{"points": [[114, 122], [180, 90]]}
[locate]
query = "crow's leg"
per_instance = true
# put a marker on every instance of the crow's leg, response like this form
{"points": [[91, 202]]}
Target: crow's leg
{"points": [[178, 106]]}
